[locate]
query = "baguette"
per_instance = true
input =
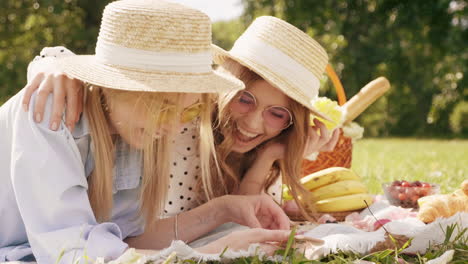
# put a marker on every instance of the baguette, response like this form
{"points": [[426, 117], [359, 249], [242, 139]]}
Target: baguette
{"points": [[365, 97]]}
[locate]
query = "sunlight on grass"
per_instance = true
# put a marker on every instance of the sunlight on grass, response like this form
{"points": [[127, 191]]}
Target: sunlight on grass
{"points": [[444, 162]]}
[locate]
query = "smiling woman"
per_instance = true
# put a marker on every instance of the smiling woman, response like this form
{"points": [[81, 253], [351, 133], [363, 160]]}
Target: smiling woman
{"points": [[264, 132]]}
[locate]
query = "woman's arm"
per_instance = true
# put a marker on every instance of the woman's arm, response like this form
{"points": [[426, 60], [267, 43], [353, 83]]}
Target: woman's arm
{"points": [[50, 189], [254, 179], [190, 225], [256, 211]]}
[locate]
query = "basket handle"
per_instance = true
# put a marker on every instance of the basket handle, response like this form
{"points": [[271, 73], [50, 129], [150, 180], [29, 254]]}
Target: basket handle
{"points": [[337, 84]]}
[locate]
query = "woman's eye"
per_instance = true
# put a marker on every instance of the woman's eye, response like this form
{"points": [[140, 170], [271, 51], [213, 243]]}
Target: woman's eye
{"points": [[246, 100], [278, 113]]}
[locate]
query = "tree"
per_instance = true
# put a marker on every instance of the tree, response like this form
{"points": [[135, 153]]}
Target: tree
{"points": [[420, 46], [29, 25]]}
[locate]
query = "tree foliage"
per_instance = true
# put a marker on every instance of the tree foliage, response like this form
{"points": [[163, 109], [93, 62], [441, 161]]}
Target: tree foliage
{"points": [[26, 26], [420, 46]]}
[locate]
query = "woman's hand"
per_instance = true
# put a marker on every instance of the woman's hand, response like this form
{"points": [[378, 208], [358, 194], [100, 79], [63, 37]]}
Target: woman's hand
{"points": [[67, 91], [241, 240], [272, 151], [321, 142], [256, 211]]}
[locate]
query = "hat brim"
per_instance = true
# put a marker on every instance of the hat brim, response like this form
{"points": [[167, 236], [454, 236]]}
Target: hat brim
{"points": [[220, 55], [86, 68]]}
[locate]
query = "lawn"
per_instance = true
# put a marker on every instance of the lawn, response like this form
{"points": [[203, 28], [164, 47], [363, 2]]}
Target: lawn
{"points": [[444, 162]]}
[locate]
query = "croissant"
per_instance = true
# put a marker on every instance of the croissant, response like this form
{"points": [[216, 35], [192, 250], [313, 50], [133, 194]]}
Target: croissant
{"points": [[443, 206], [464, 186]]}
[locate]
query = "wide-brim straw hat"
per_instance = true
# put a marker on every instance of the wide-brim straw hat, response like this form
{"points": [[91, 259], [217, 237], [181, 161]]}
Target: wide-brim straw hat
{"points": [[153, 46], [283, 55]]}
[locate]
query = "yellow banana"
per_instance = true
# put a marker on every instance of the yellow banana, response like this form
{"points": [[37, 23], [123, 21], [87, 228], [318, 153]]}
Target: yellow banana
{"points": [[344, 203], [339, 189], [328, 176]]}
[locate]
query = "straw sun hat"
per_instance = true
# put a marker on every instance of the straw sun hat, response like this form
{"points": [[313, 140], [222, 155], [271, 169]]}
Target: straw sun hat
{"points": [[284, 56], [152, 45]]}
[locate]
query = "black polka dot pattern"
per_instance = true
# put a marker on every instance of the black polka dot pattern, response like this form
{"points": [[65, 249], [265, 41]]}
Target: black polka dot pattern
{"points": [[184, 171]]}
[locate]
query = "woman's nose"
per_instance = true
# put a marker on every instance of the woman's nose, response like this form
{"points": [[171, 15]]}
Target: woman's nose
{"points": [[254, 120]]}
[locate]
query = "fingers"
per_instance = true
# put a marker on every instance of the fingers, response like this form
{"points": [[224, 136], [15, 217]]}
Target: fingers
{"points": [[80, 102], [252, 221], [333, 141], [324, 132], [45, 88], [29, 90], [311, 144], [259, 235], [66, 91], [276, 213], [74, 102], [58, 105]]}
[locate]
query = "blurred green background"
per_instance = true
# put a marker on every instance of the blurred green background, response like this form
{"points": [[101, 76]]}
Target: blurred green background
{"points": [[420, 46]]}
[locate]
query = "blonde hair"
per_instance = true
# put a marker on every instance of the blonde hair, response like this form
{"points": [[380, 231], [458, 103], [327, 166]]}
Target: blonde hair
{"points": [[155, 153], [234, 165]]}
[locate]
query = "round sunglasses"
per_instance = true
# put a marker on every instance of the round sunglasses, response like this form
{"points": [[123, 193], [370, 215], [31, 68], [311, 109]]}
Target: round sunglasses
{"points": [[277, 117]]}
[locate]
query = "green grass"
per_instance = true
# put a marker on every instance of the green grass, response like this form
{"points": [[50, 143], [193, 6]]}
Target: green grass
{"points": [[444, 162]]}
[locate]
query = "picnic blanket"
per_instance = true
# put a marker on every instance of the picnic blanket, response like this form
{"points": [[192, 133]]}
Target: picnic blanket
{"points": [[345, 237], [341, 236]]}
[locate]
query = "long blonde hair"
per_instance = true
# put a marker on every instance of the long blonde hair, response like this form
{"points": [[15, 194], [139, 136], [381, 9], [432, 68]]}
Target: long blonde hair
{"points": [[234, 166], [155, 153]]}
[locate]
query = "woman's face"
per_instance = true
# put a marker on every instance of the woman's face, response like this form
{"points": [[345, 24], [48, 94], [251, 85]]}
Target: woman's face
{"points": [[128, 117], [265, 120]]}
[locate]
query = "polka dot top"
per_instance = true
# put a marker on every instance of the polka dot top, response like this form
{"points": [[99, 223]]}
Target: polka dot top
{"points": [[184, 171]]}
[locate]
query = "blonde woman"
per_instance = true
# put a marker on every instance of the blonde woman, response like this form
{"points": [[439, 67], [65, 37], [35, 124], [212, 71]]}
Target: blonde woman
{"points": [[92, 192]]}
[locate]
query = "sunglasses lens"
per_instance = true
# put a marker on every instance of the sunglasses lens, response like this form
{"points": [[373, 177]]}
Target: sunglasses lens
{"points": [[191, 113], [244, 103], [277, 117]]}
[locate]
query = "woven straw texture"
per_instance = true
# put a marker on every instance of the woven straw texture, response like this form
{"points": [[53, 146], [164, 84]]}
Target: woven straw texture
{"points": [[156, 25], [152, 27], [290, 41], [340, 156]]}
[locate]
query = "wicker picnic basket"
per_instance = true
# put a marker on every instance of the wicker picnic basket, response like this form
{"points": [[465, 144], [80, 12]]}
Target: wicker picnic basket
{"points": [[341, 155]]}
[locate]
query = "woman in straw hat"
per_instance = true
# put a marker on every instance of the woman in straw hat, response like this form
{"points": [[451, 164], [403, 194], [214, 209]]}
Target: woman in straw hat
{"points": [[263, 130], [73, 195]]}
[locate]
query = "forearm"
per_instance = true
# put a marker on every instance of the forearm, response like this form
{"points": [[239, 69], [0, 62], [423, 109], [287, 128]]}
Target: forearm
{"points": [[190, 226], [254, 179]]}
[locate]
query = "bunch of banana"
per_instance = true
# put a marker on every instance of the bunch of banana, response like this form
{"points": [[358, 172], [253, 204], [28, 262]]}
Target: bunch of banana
{"points": [[335, 189]]}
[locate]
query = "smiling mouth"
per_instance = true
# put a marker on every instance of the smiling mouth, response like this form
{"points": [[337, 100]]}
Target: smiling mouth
{"points": [[245, 136]]}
